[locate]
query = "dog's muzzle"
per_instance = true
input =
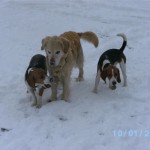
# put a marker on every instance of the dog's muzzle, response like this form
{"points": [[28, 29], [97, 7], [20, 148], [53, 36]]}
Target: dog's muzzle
{"points": [[114, 83], [52, 62], [113, 86]]}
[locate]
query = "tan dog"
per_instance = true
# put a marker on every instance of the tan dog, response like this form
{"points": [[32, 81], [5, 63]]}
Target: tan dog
{"points": [[63, 52]]}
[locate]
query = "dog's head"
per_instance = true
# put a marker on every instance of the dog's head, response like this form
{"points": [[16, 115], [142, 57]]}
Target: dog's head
{"points": [[38, 78], [56, 48], [113, 75]]}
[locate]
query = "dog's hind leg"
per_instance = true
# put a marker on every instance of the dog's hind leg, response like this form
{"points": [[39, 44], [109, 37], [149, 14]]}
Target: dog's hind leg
{"points": [[123, 69], [80, 76], [97, 79], [80, 60]]}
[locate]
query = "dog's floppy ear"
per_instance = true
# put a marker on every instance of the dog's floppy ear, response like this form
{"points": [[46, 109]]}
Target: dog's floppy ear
{"points": [[104, 75], [65, 44], [31, 80], [118, 77], [44, 42]]}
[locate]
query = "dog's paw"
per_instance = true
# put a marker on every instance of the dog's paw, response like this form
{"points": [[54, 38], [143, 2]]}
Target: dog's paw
{"points": [[33, 104], [125, 85], [65, 98], [79, 79], [49, 100], [52, 99], [38, 105], [94, 91]]}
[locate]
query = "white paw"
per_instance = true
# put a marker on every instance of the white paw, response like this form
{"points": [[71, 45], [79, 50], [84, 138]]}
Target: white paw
{"points": [[94, 91], [38, 105], [65, 98], [33, 104], [125, 84]]}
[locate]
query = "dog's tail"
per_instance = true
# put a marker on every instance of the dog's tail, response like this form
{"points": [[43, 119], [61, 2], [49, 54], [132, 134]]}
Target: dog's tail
{"points": [[90, 37], [124, 41]]}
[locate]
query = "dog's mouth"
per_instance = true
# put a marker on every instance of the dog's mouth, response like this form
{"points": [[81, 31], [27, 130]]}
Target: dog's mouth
{"points": [[52, 63], [113, 87]]}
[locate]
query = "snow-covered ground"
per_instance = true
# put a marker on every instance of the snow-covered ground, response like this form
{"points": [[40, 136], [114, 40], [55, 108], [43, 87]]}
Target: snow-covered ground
{"points": [[109, 120]]}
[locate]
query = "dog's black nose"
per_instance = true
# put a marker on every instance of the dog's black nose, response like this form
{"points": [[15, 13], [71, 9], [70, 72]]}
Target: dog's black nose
{"points": [[52, 63], [51, 79], [114, 82]]}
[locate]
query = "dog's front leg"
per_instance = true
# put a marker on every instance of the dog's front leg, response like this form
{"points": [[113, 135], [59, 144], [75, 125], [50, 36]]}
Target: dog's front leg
{"points": [[97, 79], [54, 92], [66, 91], [39, 93], [53, 96]]}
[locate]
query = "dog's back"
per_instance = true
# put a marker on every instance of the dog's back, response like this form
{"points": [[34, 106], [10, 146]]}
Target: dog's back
{"points": [[114, 55], [38, 61], [75, 44]]}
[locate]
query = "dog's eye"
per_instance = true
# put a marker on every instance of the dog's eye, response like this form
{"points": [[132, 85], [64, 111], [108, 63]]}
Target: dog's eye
{"points": [[57, 52], [49, 52]]}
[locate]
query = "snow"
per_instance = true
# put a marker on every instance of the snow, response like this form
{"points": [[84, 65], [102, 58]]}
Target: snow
{"points": [[118, 119]]}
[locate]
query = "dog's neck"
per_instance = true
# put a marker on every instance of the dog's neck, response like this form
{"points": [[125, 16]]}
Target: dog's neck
{"points": [[56, 70], [106, 63], [29, 69]]}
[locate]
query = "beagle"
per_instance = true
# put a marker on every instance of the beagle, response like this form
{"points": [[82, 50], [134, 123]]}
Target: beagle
{"points": [[106, 67], [36, 78]]}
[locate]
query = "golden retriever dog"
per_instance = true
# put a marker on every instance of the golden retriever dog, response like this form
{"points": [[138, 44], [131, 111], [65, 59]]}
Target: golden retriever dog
{"points": [[62, 54]]}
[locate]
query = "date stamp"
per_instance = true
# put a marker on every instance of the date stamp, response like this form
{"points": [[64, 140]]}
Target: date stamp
{"points": [[131, 133]]}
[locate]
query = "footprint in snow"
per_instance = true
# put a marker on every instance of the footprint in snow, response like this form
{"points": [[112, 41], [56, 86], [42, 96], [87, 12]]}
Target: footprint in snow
{"points": [[62, 118]]}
